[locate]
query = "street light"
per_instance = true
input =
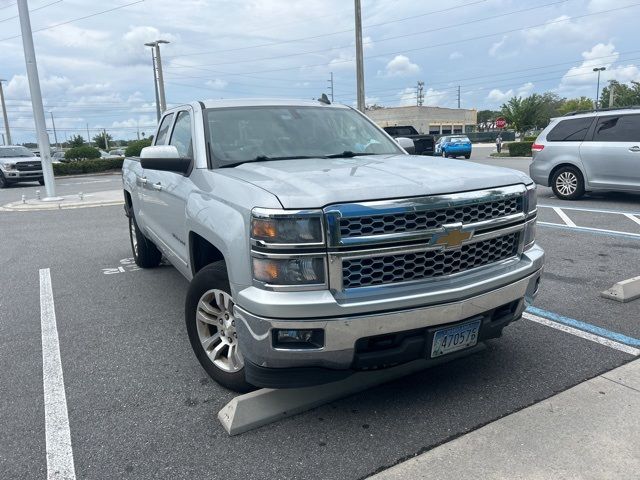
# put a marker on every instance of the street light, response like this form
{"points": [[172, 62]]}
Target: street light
{"points": [[598, 69], [158, 68], [155, 79], [4, 114]]}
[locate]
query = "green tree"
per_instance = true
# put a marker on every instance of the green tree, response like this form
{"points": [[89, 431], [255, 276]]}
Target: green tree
{"points": [[76, 141], [486, 118], [624, 95], [550, 108], [81, 153], [524, 113], [100, 140], [575, 105], [134, 148]]}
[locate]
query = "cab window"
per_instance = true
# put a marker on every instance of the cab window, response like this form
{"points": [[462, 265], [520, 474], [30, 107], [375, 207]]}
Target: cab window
{"points": [[164, 128], [181, 135]]}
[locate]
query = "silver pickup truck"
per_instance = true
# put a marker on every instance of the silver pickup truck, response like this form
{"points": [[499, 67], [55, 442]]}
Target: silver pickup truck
{"points": [[317, 247]]}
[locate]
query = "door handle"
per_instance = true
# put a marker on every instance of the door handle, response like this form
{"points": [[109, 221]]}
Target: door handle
{"points": [[635, 148], [157, 186], [142, 181]]}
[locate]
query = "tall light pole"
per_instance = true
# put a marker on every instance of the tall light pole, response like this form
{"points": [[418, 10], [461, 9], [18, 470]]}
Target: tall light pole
{"points": [[158, 67], [331, 85], [36, 99], [4, 115], [155, 79], [598, 69], [359, 58], [55, 134]]}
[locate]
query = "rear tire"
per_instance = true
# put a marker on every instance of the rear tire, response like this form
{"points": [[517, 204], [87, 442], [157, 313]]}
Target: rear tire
{"points": [[467, 156], [211, 327], [145, 253], [567, 183]]}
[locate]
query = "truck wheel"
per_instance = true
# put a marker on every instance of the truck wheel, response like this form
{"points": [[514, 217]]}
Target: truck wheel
{"points": [[145, 253], [3, 181], [567, 183], [41, 181], [212, 329]]}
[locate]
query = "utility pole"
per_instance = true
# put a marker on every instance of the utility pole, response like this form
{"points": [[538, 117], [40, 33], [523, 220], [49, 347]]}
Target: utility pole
{"points": [[36, 99], [138, 127], [458, 96], [359, 57], [4, 114], [55, 134], [106, 140], [612, 94], [420, 94], [3, 142], [88, 135], [331, 86]]}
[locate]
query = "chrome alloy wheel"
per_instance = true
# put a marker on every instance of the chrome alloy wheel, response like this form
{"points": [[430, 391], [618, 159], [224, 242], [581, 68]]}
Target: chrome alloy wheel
{"points": [[134, 238], [217, 330], [567, 183]]}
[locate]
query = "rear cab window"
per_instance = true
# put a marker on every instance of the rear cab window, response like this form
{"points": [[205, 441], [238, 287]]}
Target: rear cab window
{"points": [[164, 128], [617, 128], [570, 130]]}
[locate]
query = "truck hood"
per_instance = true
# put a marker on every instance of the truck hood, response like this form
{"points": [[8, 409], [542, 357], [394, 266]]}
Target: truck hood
{"points": [[19, 159], [315, 183]]}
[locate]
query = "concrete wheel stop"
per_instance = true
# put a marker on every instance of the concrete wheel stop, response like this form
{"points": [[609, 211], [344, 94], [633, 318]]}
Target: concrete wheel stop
{"points": [[262, 407], [624, 291]]}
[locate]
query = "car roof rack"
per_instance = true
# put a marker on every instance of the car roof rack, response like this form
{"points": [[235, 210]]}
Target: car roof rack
{"points": [[578, 112]]}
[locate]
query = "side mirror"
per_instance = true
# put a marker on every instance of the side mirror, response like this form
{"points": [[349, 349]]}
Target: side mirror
{"points": [[165, 158], [407, 144]]}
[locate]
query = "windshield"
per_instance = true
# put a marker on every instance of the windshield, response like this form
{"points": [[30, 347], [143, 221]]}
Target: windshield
{"points": [[15, 152], [243, 134], [460, 139]]}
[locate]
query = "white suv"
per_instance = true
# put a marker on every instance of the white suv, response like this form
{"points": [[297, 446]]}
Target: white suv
{"points": [[598, 150]]}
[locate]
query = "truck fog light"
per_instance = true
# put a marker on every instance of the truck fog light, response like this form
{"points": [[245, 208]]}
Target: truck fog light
{"points": [[298, 339]]}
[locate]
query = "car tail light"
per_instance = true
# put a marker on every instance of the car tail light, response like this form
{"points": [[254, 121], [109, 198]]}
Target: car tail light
{"points": [[536, 147]]}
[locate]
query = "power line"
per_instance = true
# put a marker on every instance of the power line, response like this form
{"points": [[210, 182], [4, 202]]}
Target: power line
{"points": [[76, 19], [197, 67], [32, 10]]}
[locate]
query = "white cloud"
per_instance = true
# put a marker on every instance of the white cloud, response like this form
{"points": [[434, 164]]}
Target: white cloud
{"points": [[76, 37], [130, 49], [455, 55], [401, 66], [561, 30], [217, 83], [497, 46], [497, 96]]}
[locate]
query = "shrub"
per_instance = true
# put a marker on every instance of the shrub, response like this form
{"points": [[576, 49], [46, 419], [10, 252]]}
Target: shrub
{"points": [[87, 166], [529, 139], [80, 153], [134, 148], [520, 149]]}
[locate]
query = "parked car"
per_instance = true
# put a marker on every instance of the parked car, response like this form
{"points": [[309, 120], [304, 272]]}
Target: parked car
{"points": [[423, 144], [317, 247], [57, 157], [589, 151], [453, 146], [18, 164], [118, 152], [104, 155]]}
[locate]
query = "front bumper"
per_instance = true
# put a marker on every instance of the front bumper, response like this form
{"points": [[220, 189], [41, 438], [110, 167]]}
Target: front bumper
{"points": [[516, 287], [20, 176]]}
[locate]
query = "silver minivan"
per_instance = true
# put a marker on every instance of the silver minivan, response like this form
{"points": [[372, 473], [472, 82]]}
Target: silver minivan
{"points": [[581, 152]]}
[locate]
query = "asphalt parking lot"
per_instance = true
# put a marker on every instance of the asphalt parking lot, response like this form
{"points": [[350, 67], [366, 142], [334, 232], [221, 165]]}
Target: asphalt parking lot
{"points": [[140, 406]]}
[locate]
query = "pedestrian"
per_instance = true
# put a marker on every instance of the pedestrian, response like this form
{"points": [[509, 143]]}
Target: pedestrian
{"points": [[499, 143]]}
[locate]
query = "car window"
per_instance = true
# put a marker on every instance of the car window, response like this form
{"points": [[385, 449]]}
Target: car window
{"points": [[164, 128], [571, 130], [620, 128], [181, 136]]}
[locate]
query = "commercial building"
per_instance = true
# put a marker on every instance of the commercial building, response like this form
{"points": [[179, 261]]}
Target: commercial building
{"points": [[427, 120]]}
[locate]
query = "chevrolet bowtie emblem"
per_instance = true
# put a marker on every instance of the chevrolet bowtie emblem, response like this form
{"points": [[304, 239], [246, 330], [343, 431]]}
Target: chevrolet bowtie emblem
{"points": [[451, 238]]}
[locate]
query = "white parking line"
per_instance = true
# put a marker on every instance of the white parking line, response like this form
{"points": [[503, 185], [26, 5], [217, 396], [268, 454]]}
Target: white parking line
{"points": [[580, 333], [632, 218], [564, 217], [596, 210], [58, 436]]}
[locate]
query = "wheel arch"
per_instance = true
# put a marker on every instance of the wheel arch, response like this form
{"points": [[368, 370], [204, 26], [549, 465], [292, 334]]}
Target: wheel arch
{"points": [[202, 252], [566, 164]]}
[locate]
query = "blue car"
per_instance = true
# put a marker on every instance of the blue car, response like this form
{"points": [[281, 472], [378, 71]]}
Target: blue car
{"points": [[453, 146]]}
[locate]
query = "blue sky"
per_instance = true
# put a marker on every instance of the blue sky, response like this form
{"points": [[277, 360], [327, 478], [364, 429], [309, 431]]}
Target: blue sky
{"points": [[97, 71]]}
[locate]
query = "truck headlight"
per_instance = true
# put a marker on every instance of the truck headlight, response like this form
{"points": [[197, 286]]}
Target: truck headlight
{"points": [[289, 271], [282, 227], [9, 166], [532, 198]]}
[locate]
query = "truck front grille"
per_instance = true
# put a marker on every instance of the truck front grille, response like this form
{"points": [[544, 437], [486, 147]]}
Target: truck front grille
{"points": [[351, 227], [28, 166], [404, 267]]}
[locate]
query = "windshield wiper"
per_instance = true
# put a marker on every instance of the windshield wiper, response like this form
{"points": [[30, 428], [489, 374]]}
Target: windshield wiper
{"points": [[264, 158], [348, 154]]}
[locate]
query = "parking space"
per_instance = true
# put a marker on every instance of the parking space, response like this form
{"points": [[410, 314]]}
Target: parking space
{"points": [[140, 406]]}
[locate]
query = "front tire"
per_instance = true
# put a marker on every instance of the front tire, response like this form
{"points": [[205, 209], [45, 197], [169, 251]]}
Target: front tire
{"points": [[211, 327], [145, 253], [444, 154], [567, 183], [41, 181]]}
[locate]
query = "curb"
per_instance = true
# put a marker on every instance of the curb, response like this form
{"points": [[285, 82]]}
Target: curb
{"points": [[97, 174], [11, 207]]}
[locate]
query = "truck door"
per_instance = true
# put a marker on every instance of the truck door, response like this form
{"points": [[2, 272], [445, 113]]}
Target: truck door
{"points": [[168, 194]]}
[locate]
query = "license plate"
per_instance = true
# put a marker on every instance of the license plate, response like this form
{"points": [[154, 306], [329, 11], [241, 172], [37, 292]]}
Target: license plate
{"points": [[452, 339]]}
